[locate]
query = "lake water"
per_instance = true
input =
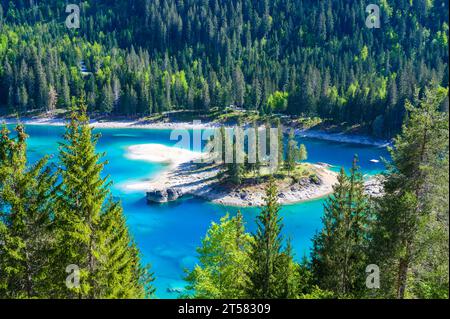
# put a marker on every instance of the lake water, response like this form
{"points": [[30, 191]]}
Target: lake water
{"points": [[168, 234]]}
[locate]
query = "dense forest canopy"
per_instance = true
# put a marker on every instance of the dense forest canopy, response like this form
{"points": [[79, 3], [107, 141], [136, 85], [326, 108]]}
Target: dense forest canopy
{"points": [[141, 57]]}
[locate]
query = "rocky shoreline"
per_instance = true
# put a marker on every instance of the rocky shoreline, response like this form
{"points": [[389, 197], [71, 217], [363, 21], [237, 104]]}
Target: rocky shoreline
{"points": [[145, 124], [186, 175], [202, 181]]}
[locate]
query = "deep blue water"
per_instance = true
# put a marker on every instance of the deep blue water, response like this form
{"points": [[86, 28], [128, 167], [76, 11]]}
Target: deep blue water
{"points": [[167, 235]]}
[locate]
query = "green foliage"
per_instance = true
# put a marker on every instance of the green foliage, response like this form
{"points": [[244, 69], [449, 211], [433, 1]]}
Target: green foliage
{"points": [[338, 257], [223, 261], [411, 231], [277, 101], [294, 153], [302, 153], [235, 169], [26, 208], [200, 54], [91, 230], [273, 273]]}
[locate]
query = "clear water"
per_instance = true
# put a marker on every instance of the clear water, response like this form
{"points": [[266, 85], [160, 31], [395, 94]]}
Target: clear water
{"points": [[168, 234]]}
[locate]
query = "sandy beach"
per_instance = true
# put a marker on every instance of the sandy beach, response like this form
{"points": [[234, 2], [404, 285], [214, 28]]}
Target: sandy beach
{"points": [[173, 157]]}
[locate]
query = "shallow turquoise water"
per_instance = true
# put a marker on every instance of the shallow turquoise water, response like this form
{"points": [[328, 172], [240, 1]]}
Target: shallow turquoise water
{"points": [[167, 235]]}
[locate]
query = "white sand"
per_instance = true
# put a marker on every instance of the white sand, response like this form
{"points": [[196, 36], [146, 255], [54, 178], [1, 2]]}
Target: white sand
{"points": [[116, 124], [158, 153]]}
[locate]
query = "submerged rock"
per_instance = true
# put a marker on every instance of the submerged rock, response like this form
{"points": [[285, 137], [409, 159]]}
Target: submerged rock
{"points": [[164, 195], [173, 194], [175, 290], [244, 195], [157, 196]]}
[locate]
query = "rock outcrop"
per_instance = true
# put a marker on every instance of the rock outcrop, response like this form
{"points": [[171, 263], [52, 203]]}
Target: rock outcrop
{"points": [[164, 195], [374, 187]]}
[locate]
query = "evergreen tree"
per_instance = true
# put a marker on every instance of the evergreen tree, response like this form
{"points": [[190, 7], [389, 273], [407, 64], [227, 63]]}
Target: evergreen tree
{"points": [[238, 86], [288, 274], [236, 168], [257, 165], [291, 153], [91, 230], [412, 216], [26, 208], [338, 255], [280, 150], [302, 153], [272, 268]]}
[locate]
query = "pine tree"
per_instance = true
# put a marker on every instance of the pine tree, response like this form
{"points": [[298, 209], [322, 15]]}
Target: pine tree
{"points": [[280, 150], [236, 168], [106, 101], [338, 258], [288, 274], [91, 229], [65, 92], [52, 99], [26, 207], [120, 271], [292, 153], [302, 153], [238, 86], [271, 264], [412, 216], [257, 165]]}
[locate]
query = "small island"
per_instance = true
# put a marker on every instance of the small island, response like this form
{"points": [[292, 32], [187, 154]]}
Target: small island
{"points": [[207, 181], [241, 185], [185, 176], [237, 174]]}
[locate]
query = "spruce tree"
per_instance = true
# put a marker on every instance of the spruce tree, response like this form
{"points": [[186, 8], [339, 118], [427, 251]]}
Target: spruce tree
{"points": [[412, 218], [292, 153], [288, 274], [280, 150], [257, 165], [26, 208], [302, 153], [270, 263], [338, 254], [236, 167], [120, 274], [91, 230]]}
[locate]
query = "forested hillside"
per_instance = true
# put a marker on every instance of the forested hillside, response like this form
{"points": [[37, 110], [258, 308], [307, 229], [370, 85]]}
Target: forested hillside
{"points": [[140, 57]]}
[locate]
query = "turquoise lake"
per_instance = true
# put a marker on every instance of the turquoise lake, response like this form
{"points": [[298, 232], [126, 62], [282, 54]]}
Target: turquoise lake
{"points": [[168, 235]]}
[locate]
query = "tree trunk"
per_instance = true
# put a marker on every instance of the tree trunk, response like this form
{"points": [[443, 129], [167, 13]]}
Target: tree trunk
{"points": [[403, 268]]}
